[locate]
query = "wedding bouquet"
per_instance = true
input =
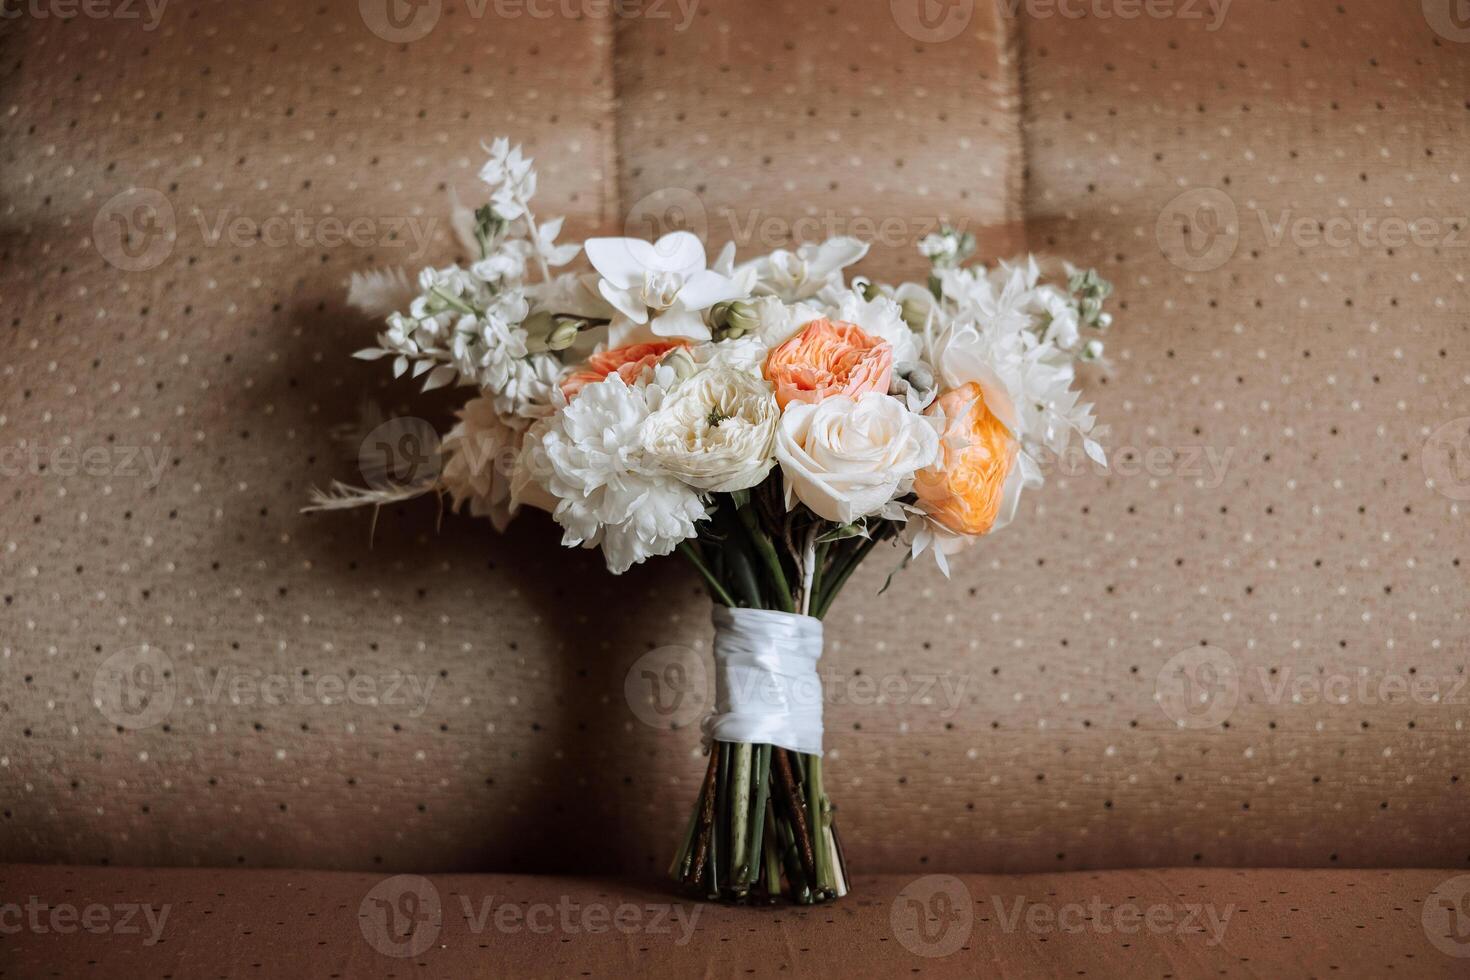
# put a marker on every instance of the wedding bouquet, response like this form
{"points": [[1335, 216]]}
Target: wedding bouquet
{"points": [[774, 421]]}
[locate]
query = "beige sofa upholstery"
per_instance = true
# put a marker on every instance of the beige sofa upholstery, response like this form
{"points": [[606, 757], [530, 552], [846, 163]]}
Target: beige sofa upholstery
{"points": [[1244, 646], [1210, 922]]}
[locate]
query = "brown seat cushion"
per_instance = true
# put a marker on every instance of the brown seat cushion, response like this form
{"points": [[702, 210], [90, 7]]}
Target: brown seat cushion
{"points": [[1143, 924]]}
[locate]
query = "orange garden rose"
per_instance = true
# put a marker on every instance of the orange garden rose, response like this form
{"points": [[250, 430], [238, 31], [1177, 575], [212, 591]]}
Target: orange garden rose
{"points": [[963, 490], [827, 359], [628, 362]]}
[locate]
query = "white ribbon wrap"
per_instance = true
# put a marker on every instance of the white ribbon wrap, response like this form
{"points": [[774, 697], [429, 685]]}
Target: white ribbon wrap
{"points": [[767, 689]]}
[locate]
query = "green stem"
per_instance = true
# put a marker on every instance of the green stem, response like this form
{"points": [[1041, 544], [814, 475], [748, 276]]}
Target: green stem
{"points": [[817, 824], [767, 552], [822, 550], [689, 551], [773, 854], [739, 815], [454, 302], [739, 563], [847, 565], [762, 788], [676, 870], [719, 837]]}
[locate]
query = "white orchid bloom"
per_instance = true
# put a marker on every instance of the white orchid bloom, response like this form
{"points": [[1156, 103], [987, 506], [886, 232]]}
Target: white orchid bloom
{"points": [[799, 275], [659, 289], [744, 276]]}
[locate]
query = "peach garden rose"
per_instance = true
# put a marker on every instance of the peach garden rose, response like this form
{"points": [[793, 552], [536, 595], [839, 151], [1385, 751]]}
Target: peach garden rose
{"points": [[628, 362], [829, 358], [964, 490]]}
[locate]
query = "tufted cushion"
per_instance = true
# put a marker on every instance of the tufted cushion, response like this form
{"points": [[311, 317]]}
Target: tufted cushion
{"points": [[1101, 685]]}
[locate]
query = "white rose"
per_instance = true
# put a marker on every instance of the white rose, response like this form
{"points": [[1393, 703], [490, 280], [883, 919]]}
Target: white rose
{"points": [[715, 431], [847, 458]]}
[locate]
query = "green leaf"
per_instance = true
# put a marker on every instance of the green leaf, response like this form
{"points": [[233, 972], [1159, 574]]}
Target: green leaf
{"points": [[844, 531]]}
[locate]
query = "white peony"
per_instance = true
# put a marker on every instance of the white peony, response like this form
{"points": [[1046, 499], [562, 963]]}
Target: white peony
{"points": [[660, 289], [880, 317], [746, 354], [715, 431], [778, 321], [479, 454], [590, 457], [847, 459]]}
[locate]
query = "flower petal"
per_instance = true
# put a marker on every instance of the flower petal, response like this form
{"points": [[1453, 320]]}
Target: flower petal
{"points": [[621, 261], [680, 323], [623, 301], [704, 289], [678, 251]]}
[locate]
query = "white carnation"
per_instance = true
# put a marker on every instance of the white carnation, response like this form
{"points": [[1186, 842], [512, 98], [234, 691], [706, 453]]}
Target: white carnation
{"points": [[590, 457], [715, 431]]}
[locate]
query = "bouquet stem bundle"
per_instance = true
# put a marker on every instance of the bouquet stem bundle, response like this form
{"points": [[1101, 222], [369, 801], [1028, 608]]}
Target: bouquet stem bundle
{"points": [[762, 825], [762, 813]]}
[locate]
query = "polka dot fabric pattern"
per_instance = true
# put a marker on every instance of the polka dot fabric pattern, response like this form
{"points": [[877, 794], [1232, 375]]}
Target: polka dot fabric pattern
{"points": [[863, 129], [1292, 924], [1284, 215], [1196, 659]]}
